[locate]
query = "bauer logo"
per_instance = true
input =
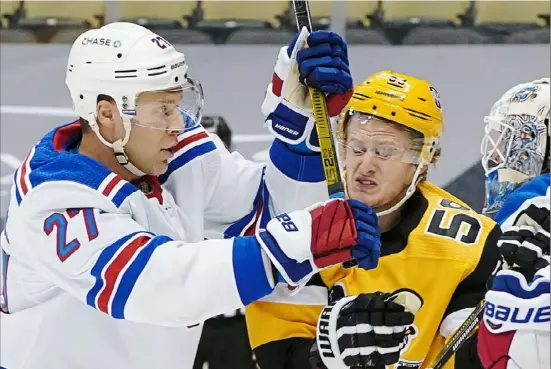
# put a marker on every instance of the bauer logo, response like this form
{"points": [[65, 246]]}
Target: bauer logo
{"points": [[516, 315], [101, 42], [177, 65]]}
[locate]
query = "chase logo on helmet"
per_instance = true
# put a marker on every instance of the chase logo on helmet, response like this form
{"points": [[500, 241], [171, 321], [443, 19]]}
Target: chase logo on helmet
{"points": [[101, 42]]}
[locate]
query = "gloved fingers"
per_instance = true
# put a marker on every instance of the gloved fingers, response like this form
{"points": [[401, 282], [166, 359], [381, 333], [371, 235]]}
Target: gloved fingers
{"points": [[358, 205], [321, 37], [329, 88], [358, 305], [542, 240], [366, 216], [322, 50], [534, 215], [332, 65], [330, 81], [391, 358], [366, 259], [366, 230], [516, 234], [399, 318], [367, 245]]}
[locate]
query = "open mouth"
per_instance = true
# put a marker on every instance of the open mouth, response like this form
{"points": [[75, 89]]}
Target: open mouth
{"points": [[365, 181]]}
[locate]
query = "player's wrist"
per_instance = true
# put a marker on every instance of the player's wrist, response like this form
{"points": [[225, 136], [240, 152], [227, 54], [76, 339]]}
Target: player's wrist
{"points": [[296, 165], [292, 271], [252, 270]]}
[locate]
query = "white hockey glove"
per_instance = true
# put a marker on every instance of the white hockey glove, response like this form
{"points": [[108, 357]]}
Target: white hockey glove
{"points": [[301, 243], [365, 331], [322, 64], [514, 332]]}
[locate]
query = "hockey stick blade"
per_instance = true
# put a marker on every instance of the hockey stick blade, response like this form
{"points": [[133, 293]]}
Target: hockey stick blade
{"points": [[459, 337], [321, 116]]}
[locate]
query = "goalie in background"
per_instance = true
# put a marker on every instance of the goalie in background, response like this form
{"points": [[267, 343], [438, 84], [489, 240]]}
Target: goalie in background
{"points": [[436, 251], [514, 333]]}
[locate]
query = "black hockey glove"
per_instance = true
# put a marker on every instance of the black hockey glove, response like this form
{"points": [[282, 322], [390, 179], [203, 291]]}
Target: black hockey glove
{"points": [[365, 331], [525, 245]]}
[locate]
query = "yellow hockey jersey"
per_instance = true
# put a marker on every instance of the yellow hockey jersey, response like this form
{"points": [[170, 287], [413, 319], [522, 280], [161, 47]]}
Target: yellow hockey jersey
{"points": [[441, 249]]}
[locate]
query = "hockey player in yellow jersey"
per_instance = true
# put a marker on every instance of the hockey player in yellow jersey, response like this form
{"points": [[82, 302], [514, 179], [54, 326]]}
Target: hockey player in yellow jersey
{"points": [[433, 245]]}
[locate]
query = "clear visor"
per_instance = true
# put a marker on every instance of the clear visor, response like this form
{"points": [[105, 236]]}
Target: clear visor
{"points": [[359, 140], [177, 110], [517, 143]]}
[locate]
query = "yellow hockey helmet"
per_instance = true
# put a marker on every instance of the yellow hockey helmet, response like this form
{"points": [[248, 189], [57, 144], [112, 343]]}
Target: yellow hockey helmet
{"points": [[402, 99]]}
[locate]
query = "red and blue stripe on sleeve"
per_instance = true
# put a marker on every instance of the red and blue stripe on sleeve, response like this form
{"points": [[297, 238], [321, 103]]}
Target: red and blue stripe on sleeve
{"points": [[117, 270]]}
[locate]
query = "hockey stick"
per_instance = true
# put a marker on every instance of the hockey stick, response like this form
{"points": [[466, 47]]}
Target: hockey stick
{"points": [[465, 330], [459, 337], [321, 116]]}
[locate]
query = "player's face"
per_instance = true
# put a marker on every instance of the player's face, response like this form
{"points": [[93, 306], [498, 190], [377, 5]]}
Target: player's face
{"points": [[154, 131], [376, 172]]}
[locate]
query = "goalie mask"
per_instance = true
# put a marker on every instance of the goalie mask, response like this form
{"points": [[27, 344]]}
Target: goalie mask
{"points": [[124, 61], [515, 147]]}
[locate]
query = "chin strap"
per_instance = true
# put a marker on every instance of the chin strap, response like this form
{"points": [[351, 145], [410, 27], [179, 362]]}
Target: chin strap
{"points": [[409, 192], [117, 146]]}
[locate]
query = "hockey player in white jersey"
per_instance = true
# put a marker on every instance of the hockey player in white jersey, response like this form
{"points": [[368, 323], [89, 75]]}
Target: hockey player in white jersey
{"points": [[514, 333], [105, 259]]}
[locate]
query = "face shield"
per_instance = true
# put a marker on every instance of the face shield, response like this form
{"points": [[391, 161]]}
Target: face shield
{"points": [[359, 142], [176, 110], [513, 151]]}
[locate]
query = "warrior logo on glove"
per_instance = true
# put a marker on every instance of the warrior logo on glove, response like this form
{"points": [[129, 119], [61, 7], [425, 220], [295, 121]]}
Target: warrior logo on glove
{"points": [[371, 330]]}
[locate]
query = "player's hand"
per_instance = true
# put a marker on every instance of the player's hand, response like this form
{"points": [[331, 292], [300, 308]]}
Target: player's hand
{"points": [[516, 317], [525, 245], [366, 331], [317, 60], [324, 63], [301, 243]]}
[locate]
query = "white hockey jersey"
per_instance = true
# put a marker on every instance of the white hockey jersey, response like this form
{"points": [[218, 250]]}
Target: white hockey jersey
{"points": [[102, 273]]}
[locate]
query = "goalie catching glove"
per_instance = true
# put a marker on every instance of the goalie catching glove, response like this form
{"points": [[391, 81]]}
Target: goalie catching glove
{"points": [[303, 242], [365, 331]]}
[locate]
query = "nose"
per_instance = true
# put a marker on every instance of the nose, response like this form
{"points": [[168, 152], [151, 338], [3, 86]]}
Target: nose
{"points": [[369, 162]]}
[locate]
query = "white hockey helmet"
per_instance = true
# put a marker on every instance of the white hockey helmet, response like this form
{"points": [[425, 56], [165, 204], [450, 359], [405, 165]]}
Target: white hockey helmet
{"points": [[515, 147], [122, 60]]}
